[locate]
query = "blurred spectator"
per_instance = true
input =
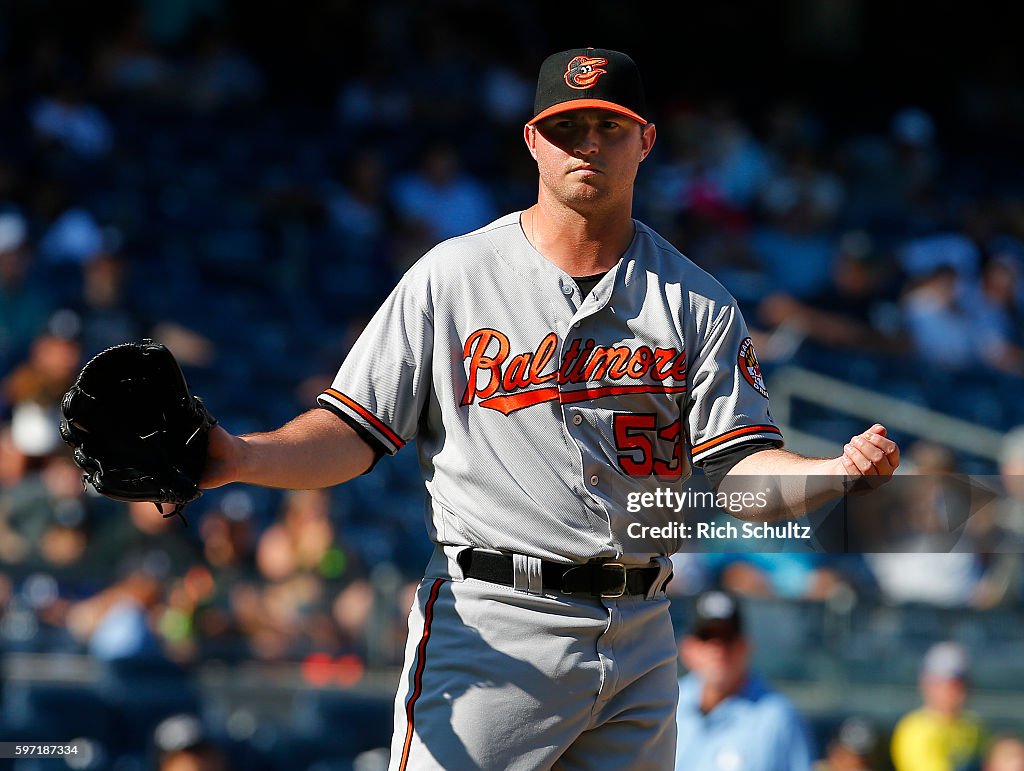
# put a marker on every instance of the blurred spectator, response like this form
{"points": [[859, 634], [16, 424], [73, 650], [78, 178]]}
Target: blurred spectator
{"points": [[70, 234], [228, 534], [728, 716], [220, 76], [111, 314], [1011, 470], [182, 744], [1005, 754], [43, 511], [802, 181], [117, 622], [66, 118], [791, 575], [794, 251], [736, 167], [935, 542], [375, 96], [939, 326], [134, 68], [290, 611], [358, 211], [303, 541], [941, 735], [791, 126], [892, 177], [143, 540], [856, 746], [439, 200], [921, 257], [851, 313], [24, 306], [506, 93], [108, 316], [51, 366], [1005, 541], [46, 518], [992, 306]]}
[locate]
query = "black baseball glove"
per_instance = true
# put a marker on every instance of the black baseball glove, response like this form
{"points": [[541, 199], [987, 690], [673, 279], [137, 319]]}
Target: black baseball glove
{"points": [[136, 430]]}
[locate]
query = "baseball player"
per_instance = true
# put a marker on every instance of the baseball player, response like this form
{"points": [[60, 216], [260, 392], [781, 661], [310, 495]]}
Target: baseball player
{"points": [[548, 365]]}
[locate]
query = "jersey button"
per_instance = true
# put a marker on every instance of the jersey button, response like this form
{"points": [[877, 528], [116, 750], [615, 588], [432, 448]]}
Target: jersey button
{"points": [[594, 480], [577, 419], [566, 289]]}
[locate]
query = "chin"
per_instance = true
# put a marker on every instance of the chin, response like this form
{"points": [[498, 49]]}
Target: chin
{"points": [[584, 192]]}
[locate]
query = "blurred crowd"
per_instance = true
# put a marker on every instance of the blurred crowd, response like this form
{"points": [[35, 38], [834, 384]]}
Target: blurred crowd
{"points": [[731, 716], [158, 179]]}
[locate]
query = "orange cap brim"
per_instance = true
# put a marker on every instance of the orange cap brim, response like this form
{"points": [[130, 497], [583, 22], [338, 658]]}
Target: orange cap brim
{"points": [[584, 104]]}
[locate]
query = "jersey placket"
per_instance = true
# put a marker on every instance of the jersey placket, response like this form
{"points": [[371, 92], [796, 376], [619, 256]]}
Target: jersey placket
{"points": [[575, 415]]}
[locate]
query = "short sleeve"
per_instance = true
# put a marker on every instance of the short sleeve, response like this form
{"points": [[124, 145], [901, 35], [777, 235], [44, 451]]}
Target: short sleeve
{"points": [[728, 403], [384, 382]]}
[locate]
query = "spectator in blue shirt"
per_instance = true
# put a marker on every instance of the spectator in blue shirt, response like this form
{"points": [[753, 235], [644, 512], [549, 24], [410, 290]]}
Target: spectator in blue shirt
{"points": [[729, 718]]}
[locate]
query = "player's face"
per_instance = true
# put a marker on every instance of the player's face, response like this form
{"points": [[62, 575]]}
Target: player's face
{"points": [[589, 155]]}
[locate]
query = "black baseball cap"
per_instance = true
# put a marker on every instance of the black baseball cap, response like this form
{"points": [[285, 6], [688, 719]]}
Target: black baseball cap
{"points": [[589, 78], [716, 613]]}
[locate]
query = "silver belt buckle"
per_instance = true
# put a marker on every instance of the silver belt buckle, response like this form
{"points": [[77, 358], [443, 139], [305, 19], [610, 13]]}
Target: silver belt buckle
{"points": [[611, 595]]}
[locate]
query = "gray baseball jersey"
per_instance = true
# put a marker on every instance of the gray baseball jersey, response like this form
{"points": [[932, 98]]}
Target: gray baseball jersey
{"points": [[537, 411]]}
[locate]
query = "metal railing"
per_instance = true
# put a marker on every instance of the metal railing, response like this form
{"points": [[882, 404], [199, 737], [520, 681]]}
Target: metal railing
{"points": [[791, 383]]}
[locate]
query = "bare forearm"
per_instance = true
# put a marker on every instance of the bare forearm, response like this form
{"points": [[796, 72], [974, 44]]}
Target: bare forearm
{"points": [[794, 485], [316, 449]]}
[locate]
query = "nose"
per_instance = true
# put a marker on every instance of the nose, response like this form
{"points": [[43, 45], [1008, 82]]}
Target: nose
{"points": [[587, 143]]}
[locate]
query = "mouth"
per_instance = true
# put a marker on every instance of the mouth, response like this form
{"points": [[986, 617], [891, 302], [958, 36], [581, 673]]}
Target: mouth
{"points": [[586, 170]]}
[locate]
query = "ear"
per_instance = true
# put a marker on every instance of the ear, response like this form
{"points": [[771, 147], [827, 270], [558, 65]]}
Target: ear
{"points": [[647, 138], [530, 137]]}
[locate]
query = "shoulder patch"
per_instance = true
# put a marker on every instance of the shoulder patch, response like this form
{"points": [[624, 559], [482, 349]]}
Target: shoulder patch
{"points": [[749, 366]]}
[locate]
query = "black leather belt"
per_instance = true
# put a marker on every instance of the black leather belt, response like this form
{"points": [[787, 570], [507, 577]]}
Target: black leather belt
{"points": [[593, 579]]}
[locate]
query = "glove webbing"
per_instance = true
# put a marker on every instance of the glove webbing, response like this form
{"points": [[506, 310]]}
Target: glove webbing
{"points": [[179, 511]]}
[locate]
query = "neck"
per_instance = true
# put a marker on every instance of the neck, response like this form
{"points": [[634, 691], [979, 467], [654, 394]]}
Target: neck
{"points": [[580, 243]]}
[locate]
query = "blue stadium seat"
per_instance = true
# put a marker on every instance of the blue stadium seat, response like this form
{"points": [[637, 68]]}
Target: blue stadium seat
{"points": [[139, 693], [342, 721], [58, 712]]}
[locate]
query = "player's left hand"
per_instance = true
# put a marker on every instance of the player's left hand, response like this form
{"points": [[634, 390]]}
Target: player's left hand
{"points": [[871, 453]]}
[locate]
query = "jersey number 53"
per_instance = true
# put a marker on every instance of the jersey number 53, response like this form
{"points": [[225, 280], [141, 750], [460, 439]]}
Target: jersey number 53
{"points": [[635, 440]]}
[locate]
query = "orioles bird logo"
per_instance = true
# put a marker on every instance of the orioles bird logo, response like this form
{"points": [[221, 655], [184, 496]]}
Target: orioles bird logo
{"points": [[583, 71], [750, 367]]}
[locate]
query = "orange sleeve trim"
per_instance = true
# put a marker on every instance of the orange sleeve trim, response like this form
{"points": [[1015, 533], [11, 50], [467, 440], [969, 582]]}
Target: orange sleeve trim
{"points": [[368, 416], [723, 438], [421, 663]]}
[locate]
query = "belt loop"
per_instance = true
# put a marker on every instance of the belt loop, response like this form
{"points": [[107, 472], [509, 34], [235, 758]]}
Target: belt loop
{"points": [[664, 576], [454, 555], [526, 574]]}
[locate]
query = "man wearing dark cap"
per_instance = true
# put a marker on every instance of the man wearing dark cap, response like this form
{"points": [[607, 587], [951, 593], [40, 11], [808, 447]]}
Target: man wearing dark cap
{"points": [[552, 366], [856, 746], [181, 744], [729, 718]]}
